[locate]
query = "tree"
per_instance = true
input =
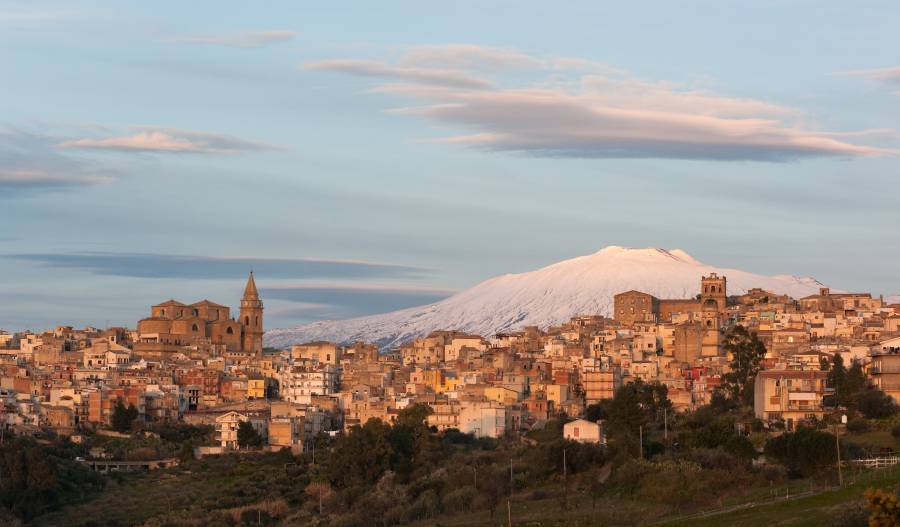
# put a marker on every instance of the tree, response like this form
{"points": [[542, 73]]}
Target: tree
{"points": [[247, 435], [36, 478], [361, 456], [803, 451], [123, 417], [747, 351], [493, 484], [853, 386], [875, 404], [409, 437]]}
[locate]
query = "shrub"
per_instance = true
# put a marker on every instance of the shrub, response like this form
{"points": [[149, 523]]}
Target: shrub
{"points": [[858, 425], [854, 515], [460, 500], [875, 404], [885, 508], [895, 431], [803, 451]]}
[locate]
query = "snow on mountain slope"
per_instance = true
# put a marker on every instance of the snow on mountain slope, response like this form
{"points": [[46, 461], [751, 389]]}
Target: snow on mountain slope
{"points": [[581, 286]]}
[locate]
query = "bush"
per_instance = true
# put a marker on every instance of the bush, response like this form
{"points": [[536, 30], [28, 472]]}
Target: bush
{"points": [[854, 515], [875, 404], [858, 425], [460, 500], [895, 431], [802, 452], [885, 507]]}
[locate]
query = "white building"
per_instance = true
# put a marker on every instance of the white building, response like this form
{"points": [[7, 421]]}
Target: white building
{"points": [[483, 419], [584, 431], [299, 383]]}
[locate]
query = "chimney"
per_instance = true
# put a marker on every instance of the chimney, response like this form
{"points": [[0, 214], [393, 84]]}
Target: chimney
{"points": [[824, 291]]}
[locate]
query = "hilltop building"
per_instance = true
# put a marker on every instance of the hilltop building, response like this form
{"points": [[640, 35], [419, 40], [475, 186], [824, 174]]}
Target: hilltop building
{"points": [[636, 306], [172, 325]]}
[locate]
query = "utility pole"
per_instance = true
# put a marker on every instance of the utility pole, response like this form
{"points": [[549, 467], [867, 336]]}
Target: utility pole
{"points": [[565, 483], [641, 440], [837, 443], [510, 478], [666, 424]]}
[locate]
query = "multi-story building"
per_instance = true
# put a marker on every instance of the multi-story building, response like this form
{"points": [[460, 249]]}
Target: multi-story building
{"points": [[791, 396]]}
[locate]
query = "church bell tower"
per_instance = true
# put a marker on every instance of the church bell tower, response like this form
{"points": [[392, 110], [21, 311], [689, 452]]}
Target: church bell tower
{"points": [[251, 319], [714, 287]]}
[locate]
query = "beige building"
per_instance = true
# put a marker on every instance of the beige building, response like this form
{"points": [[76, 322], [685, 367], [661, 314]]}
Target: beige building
{"points": [[884, 368], [793, 396], [601, 384], [321, 352]]}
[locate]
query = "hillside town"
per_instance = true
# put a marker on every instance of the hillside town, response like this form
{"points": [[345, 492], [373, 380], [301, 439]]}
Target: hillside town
{"points": [[198, 364]]}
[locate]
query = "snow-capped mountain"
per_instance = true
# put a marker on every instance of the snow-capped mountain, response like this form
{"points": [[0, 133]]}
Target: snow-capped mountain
{"points": [[580, 286]]}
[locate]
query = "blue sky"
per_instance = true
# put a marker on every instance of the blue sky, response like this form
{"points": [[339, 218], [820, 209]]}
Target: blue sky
{"points": [[369, 156]]}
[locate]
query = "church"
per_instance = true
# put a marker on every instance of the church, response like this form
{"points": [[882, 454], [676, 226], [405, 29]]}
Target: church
{"points": [[172, 325], [695, 323]]}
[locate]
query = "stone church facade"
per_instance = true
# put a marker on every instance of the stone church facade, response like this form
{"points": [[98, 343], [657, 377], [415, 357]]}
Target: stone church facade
{"points": [[172, 325]]}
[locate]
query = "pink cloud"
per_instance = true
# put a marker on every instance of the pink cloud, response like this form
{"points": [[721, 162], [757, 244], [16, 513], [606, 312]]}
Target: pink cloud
{"points": [[578, 108], [164, 140]]}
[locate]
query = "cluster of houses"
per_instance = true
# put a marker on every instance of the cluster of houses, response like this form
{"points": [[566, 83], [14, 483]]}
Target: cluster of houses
{"points": [[197, 364]]}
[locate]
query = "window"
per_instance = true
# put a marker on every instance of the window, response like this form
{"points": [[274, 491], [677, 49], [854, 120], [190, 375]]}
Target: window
{"points": [[163, 312], [230, 331], [246, 321], [196, 312], [194, 328]]}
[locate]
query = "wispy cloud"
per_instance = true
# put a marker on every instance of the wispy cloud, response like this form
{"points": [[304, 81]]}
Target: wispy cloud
{"points": [[469, 57], [38, 178], [152, 265], [565, 107], [246, 39], [168, 140], [29, 162], [371, 68], [888, 76]]}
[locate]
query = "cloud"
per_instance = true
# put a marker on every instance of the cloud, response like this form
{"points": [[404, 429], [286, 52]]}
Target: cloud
{"points": [[340, 301], [246, 39], [371, 68], [29, 162], [886, 75], [36, 178], [168, 140], [469, 56], [167, 266], [568, 107]]}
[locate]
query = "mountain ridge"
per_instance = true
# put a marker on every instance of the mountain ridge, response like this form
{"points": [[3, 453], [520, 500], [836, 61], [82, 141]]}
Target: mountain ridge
{"points": [[582, 285]]}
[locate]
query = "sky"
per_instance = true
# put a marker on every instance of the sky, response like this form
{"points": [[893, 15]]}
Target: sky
{"points": [[362, 157]]}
